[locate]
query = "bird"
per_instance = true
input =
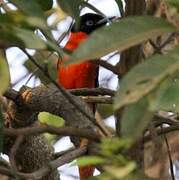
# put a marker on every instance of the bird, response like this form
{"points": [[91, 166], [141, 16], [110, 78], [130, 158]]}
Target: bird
{"points": [[83, 74]]}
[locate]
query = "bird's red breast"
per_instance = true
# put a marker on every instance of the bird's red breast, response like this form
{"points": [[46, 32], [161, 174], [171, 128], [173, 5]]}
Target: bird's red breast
{"points": [[81, 75], [75, 39]]}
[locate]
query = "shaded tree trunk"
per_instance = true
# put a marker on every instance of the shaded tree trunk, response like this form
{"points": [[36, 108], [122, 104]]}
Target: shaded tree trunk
{"points": [[129, 58]]}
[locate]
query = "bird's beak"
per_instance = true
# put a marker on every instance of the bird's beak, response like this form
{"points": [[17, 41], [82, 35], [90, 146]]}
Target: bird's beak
{"points": [[105, 20]]}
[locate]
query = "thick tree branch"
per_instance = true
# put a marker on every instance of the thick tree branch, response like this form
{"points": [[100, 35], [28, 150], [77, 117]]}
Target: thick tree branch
{"points": [[11, 94], [39, 98]]}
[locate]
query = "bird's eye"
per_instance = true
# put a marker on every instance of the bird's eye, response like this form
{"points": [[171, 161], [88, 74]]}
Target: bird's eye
{"points": [[89, 23]]}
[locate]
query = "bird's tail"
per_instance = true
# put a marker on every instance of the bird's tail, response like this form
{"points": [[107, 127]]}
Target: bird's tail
{"points": [[85, 172]]}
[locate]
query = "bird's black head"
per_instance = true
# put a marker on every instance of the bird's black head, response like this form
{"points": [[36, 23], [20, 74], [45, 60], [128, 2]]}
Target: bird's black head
{"points": [[89, 22]]}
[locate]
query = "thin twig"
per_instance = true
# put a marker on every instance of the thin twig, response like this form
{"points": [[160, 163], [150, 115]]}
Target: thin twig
{"points": [[161, 119], [61, 153], [107, 65], [98, 99], [169, 156], [165, 130], [12, 155], [168, 40], [158, 48], [115, 53], [101, 122], [60, 39], [31, 75], [20, 79], [66, 131], [92, 91]]}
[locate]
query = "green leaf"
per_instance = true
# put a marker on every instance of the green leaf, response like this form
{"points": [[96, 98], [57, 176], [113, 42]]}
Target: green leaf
{"points": [[30, 8], [45, 4], [47, 60], [136, 175], [71, 7], [36, 22], [105, 110], [166, 96], [120, 36], [120, 172], [144, 77], [7, 39], [110, 145], [4, 74], [7, 18], [51, 119], [30, 40], [17, 19], [1, 129], [53, 46], [135, 119], [33, 9], [90, 160], [174, 3]]}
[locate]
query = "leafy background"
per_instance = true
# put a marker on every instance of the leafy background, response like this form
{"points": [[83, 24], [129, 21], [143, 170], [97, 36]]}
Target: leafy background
{"points": [[145, 89]]}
